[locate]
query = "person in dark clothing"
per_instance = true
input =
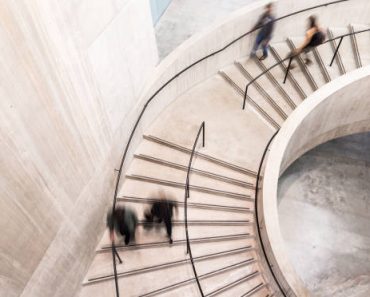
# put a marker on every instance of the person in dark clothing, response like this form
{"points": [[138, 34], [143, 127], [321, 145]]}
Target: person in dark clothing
{"points": [[124, 222], [314, 37], [267, 21], [162, 211]]}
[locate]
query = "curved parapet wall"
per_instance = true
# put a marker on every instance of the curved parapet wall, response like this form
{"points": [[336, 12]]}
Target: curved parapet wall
{"points": [[340, 108]]}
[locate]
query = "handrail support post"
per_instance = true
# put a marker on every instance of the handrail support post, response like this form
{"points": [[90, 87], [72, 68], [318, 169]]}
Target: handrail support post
{"points": [[204, 133], [336, 51], [287, 70], [245, 96], [117, 255], [115, 269]]}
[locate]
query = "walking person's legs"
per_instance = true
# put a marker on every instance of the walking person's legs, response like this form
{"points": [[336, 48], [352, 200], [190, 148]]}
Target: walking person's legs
{"points": [[168, 223], [265, 46], [125, 232], [307, 59], [257, 43]]}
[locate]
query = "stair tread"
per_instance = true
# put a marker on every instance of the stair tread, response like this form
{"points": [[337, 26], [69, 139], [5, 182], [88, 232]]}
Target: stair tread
{"points": [[345, 50], [283, 50]]}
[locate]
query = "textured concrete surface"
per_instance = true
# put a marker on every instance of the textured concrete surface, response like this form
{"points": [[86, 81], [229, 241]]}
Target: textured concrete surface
{"points": [[184, 18], [324, 214], [62, 130]]}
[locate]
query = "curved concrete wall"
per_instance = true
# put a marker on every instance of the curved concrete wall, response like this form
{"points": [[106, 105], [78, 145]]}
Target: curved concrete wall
{"points": [[340, 108]]}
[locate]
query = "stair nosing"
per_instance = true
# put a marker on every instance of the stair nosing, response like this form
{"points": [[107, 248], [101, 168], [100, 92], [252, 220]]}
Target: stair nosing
{"points": [[202, 155], [108, 248], [215, 207], [151, 268], [207, 190], [254, 105], [201, 172]]}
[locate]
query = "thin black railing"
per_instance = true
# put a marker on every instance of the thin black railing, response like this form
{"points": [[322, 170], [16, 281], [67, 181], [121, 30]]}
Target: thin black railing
{"points": [[257, 215], [291, 57], [114, 253], [187, 195]]}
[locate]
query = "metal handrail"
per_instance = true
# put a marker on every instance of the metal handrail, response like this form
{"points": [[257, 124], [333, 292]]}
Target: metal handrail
{"points": [[256, 213], [160, 89], [291, 57], [187, 195]]}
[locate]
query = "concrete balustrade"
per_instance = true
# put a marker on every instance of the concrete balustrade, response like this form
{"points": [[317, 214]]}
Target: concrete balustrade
{"points": [[340, 108]]}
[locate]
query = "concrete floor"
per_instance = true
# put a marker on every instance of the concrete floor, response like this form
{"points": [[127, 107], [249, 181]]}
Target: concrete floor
{"points": [[324, 214], [184, 18]]}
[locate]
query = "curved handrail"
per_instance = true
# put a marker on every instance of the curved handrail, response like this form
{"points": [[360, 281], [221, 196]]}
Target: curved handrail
{"points": [[161, 88], [293, 56], [187, 195]]}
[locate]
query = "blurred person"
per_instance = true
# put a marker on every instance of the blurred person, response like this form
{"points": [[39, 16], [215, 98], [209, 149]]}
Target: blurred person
{"points": [[123, 222], [267, 21], [162, 210], [314, 37]]}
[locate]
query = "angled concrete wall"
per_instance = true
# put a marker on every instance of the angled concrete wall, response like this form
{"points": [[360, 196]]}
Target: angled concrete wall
{"points": [[71, 72]]}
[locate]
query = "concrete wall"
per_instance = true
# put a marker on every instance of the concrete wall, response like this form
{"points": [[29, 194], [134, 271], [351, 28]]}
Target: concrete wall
{"points": [[71, 74], [339, 108]]}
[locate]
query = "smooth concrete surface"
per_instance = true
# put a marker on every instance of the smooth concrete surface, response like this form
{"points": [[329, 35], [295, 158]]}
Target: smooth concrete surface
{"points": [[302, 131], [324, 216], [71, 74], [183, 19]]}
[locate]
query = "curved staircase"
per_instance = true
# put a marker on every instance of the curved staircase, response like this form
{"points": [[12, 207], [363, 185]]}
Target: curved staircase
{"points": [[222, 229]]}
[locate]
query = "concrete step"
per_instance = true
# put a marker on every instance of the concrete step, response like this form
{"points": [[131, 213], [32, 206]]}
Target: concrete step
{"points": [[258, 93], [253, 67], [317, 69], [195, 171], [265, 102], [135, 187], [251, 103], [276, 76], [236, 283], [326, 53], [280, 51], [138, 263], [265, 89], [197, 209], [142, 167], [157, 233], [363, 42], [180, 157], [192, 187], [106, 248], [215, 279], [206, 157], [345, 54], [305, 70]]}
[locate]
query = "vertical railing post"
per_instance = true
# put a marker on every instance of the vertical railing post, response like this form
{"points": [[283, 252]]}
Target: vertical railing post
{"points": [[117, 255], [245, 96], [115, 269], [336, 51], [204, 133], [287, 70]]}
